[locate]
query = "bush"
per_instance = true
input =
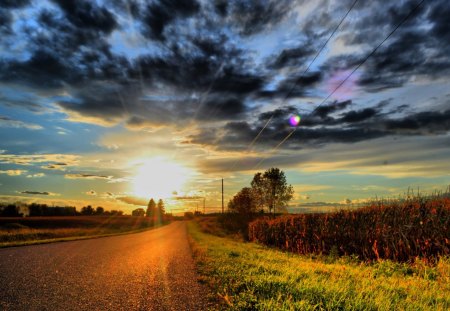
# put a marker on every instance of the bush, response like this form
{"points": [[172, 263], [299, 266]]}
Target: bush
{"points": [[397, 230]]}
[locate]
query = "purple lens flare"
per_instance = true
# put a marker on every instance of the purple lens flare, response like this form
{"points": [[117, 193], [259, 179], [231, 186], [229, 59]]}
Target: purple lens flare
{"points": [[294, 120]]}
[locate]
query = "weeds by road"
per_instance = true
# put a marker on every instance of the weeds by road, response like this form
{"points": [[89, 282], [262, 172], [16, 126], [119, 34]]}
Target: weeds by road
{"points": [[248, 276]]}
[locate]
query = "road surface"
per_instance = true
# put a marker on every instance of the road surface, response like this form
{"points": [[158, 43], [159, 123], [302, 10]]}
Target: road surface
{"points": [[152, 270]]}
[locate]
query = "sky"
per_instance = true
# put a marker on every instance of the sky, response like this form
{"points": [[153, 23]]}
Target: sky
{"points": [[110, 103]]}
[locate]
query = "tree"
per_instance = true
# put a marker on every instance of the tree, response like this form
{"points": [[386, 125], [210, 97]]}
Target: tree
{"points": [[243, 202], [271, 190], [87, 210], [116, 212], [99, 210], [151, 208], [160, 211], [138, 212], [10, 210], [258, 189]]}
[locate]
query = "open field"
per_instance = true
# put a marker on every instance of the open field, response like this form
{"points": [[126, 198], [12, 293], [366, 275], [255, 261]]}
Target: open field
{"points": [[248, 276], [31, 230]]}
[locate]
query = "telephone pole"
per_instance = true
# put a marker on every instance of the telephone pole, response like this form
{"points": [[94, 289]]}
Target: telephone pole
{"points": [[222, 197], [204, 208]]}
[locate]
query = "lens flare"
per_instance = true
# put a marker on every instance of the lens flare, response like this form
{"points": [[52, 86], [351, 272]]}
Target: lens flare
{"points": [[294, 120]]}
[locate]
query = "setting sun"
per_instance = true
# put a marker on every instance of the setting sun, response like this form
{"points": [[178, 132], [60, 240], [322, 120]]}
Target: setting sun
{"points": [[159, 178]]}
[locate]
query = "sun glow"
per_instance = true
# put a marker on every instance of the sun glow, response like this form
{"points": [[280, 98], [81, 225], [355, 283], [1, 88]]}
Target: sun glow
{"points": [[159, 178]]}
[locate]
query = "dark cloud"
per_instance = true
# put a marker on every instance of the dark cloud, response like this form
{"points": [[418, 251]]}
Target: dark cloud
{"points": [[280, 113], [325, 110], [292, 57], [322, 127], [43, 68], [293, 86], [234, 81], [358, 116], [5, 22], [14, 4], [107, 102], [192, 63], [86, 14], [159, 14], [221, 7], [217, 108], [253, 16], [439, 16], [412, 50], [87, 176], [429, 122], [36, 192]]}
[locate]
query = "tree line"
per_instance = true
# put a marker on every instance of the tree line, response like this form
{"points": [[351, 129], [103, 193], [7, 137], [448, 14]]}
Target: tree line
{"points": [[36, 209]]}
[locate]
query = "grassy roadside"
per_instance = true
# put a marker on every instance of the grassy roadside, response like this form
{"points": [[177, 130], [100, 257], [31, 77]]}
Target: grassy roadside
{"points": [[247, 276], [20, 232]]}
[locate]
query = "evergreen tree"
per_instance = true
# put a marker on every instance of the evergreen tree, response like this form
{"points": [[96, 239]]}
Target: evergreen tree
{"points": [[161, 209], [151, 208]]}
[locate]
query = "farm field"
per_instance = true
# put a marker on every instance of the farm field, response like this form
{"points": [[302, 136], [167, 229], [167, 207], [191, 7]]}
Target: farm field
{"points": [[15, 231], [249, 276], [400, 230]]}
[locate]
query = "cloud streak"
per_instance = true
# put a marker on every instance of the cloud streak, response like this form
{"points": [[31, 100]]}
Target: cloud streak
{"points": [[45, 193]]}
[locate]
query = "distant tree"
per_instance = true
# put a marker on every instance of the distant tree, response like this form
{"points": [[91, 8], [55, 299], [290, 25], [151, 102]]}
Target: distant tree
{"points": [[10, 210], [35, 209], [151, 208], [168, 216], [99, 210], [188, 215], [244, 202], [116, 212], [160, 210], [271, 190], [138, 212], [87, 210]]}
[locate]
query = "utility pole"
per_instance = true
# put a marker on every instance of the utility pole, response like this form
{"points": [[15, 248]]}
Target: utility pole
{"points": [[222, 197], [204, 210]]}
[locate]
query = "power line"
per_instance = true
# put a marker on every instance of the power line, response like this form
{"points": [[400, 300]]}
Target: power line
{"points": [[321, 49], [275, 149], [307, 68], [252, 143], [298, 80], [352, 72], [371, 53]]}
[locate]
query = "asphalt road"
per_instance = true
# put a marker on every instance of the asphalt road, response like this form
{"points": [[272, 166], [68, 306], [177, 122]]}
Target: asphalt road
{"points": [[152, 270]]}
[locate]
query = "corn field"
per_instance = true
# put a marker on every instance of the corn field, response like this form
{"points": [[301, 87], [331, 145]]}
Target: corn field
{"points": [[400, 230]]}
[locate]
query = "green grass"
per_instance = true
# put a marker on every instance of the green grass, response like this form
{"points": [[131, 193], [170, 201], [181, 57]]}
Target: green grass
{"points": [[248, 276], [39, 230]]}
